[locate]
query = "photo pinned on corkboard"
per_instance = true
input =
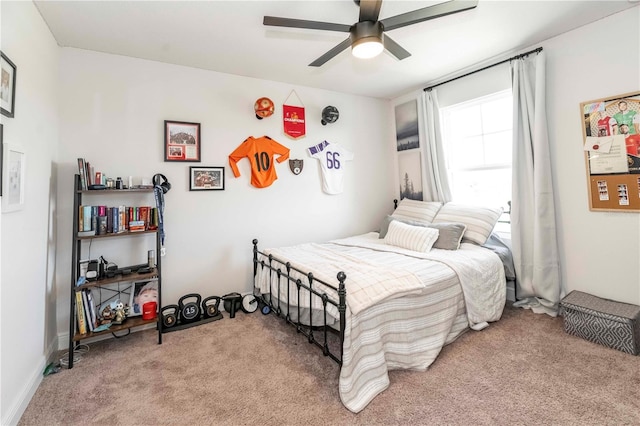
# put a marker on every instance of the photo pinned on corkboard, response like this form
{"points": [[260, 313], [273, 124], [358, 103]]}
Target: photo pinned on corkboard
{"points": [[611, 146]]}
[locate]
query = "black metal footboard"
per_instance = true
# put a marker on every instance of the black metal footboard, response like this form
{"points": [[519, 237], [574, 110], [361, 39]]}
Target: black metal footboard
{"points": [[314, 287]]}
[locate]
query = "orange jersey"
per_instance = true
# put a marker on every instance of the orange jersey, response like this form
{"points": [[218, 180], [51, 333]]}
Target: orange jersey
{"points": [[260, 153], [633, 144]]}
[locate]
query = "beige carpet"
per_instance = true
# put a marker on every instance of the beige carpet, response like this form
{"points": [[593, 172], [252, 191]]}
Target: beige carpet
{"points": [[523, 370]]}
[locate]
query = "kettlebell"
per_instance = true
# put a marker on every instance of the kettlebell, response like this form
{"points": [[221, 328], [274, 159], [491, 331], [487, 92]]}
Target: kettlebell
{"points": [[169, 315], [210, 309], [190, 311]]}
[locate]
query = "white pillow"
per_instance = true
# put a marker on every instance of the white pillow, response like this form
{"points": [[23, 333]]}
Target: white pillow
{"points": [[416, 238], [480, 221], [419, 211]]}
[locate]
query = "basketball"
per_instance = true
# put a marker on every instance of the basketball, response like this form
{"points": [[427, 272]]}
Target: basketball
{"points": [[263, 108]]}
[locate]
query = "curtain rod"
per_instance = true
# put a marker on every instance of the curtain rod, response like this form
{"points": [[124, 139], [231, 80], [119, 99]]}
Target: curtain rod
{"points": [[522, 55]]}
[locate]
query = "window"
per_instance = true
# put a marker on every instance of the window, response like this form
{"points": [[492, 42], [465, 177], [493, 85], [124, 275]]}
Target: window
{"points": [[477, 143]]}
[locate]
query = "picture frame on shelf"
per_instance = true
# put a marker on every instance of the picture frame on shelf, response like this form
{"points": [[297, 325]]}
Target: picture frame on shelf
{"points": [[206, 178], [14, 178], [8, 72], [181, 141], [141, 293]]}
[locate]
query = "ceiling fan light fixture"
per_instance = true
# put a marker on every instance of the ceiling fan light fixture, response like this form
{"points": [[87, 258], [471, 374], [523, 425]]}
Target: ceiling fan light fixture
{"points": [[366, 39], [367, 47]]}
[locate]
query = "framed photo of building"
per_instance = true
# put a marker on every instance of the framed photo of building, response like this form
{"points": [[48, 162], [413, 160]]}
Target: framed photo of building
{"points": [[181, 141], [206, 178]]}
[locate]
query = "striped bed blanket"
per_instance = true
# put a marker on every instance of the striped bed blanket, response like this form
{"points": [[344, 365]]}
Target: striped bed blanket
{"points": [[402, 306]]}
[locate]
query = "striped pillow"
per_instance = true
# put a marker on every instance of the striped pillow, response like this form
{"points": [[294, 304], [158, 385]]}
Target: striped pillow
{"points": [[479, 220], [419, 211], [416, 238]]}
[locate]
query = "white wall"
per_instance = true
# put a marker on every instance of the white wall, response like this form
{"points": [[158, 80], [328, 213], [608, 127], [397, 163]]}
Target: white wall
{"points": [[28, 235], [599, 252], [113, 112]]}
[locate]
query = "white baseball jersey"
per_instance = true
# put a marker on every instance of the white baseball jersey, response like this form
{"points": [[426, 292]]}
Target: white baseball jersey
{"points": [[332, 157]]}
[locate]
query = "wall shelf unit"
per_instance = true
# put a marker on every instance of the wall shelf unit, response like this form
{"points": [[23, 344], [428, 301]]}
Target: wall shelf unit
{"points": [[75, 336]]}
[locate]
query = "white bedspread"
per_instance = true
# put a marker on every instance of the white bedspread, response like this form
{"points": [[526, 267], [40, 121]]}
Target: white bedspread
{"points": [[404, 330], [368, 282], [476, 270]]}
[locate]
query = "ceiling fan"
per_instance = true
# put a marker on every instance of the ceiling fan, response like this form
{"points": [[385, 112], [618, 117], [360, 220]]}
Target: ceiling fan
{"points": [[367, 37]]}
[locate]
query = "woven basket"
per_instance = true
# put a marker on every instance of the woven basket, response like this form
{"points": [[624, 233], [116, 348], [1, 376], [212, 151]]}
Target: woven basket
{"points": [[606, 322]]}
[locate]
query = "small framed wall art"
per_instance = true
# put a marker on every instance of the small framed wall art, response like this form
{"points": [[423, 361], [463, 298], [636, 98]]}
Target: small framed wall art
{"points": [[8, 87], [14, 179], [206, 178], [181, 141]]}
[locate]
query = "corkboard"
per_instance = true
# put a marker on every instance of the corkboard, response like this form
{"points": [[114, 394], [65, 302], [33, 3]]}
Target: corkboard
{"points": [[611, 145]]}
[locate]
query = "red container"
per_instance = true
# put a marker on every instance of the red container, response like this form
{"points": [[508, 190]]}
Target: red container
{"points": [[149, 310]]}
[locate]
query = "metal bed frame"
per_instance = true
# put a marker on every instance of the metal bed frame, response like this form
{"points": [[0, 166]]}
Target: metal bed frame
{"points": [[283, 271]]}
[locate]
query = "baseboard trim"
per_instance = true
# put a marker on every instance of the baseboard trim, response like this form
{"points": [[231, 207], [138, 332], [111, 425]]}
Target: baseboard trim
{"points": [[31, 386]]}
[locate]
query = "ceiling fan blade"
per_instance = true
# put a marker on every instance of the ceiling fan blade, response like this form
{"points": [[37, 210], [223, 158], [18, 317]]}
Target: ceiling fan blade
{"points": [[395, 49], [330, 54], [275, 21], [426, 13], [369, 10]]}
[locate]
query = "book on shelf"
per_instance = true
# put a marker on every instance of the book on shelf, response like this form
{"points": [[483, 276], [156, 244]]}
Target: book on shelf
{"points": [[144, 216], [101, 228], [136, 226], [89, 233], [92, 307], [153, 219], [90, 174], [87, 311], [82, 172], [86, 218], [82, 326]]}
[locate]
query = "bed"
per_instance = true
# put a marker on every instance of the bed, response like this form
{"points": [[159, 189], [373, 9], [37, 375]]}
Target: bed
{"points": [[390, 299]]}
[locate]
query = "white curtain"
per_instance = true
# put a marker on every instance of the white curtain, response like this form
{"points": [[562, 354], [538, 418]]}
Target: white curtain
{"points": [[533, 224], [437, 181]]}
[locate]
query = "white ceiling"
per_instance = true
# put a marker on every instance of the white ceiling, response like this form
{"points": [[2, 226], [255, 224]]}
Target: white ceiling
{"points": [[228, 36]]}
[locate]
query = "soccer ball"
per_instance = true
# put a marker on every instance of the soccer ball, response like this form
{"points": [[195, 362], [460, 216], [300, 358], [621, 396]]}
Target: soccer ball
{"points": [[263, 108]]}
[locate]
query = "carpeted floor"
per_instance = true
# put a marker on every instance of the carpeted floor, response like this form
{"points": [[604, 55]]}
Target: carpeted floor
{"points": [[522, 370]]}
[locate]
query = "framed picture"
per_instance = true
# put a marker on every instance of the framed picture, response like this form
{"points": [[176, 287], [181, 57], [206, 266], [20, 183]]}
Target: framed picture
{"points": [[141, 293], [410, 170], [181, 141], [206, 178], [8, 87], [407, 134], [14, 179]]}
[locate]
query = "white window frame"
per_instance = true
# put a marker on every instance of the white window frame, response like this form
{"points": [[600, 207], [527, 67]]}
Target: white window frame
{"points": [[504, 227]]}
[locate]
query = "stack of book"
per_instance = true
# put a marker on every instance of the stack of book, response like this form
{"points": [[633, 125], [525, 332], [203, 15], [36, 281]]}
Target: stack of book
{"points": [[87, 317], [100, 220], [88, 176]]}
